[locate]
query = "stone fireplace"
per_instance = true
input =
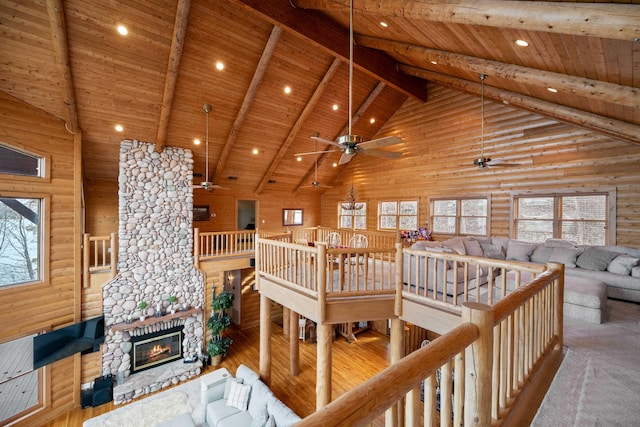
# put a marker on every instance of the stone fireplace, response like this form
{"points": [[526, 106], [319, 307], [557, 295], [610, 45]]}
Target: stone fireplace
{"points": [[155, 261]]}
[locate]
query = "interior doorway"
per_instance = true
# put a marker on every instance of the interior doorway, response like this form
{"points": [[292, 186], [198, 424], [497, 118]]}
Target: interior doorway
{"points": [[246, 214]]}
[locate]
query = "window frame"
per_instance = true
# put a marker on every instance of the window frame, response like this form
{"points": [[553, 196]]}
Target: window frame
{"points": [[557, 220], [397, 215], [352, 215], [459, 216], [45, 165]]}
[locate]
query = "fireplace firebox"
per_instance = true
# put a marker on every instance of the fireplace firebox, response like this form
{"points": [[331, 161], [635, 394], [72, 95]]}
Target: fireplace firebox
{"points": [[156, 348]]}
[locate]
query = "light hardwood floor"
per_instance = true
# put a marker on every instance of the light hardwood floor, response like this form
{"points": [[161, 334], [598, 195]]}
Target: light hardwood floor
{"points": [[353, 363]]}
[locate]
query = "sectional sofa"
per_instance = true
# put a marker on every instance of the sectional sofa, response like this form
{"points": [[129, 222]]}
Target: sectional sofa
{"points": [[592, 273]]}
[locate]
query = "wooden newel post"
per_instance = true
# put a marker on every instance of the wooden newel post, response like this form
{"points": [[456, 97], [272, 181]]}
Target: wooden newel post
{"points": [[196, 247], [265, 339], [323, 368], [395, 415], [558, 296], [479, 364], [294, 347]]}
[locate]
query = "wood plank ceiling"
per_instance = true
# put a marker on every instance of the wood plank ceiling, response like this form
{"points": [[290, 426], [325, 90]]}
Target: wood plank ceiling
{"points": [[67, 59]]}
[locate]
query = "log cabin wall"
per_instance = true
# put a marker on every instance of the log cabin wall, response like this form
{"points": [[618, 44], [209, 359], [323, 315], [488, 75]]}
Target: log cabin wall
{"points": [[55, 302], [442, 138]]}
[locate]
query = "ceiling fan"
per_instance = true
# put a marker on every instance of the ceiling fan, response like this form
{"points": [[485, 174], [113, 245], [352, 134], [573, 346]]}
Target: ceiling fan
{"points": [[351, 144], [315, 183], [482, 161], [206, 184]]}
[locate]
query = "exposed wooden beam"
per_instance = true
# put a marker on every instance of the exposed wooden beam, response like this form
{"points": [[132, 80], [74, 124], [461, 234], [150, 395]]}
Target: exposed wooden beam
{"points": [[607, 20], [60, 44], [358, 114], [612, 127], [333, 39], [175, 55], [604, 91], [308, 109], [258, 75]]}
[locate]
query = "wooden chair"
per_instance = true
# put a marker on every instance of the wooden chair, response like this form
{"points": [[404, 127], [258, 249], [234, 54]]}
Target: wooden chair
{"points": [[333, 240], [358, 241]]}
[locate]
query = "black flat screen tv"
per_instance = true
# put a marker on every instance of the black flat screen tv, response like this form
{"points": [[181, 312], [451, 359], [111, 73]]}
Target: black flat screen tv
{"points": [[83, 337]]}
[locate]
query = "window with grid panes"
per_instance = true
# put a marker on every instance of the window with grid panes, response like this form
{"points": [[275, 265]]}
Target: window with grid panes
{"points": [[398, 215], [468, 216], [354, 219]]}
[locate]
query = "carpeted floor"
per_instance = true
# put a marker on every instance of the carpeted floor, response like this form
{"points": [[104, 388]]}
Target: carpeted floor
{"points": [[598, 383], [155, 409]]}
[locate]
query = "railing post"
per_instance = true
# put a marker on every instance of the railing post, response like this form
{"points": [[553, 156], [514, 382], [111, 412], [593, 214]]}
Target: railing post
{"points": [[395, 414], [114, 254], [478, 367], [399, 279], [558, 289], [86, 254], [265, 339], [321, 274], [196, 247]]}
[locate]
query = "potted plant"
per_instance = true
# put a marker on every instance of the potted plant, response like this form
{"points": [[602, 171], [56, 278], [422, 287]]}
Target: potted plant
{"points": [[172, 301], [142, 305], [219, 321]]}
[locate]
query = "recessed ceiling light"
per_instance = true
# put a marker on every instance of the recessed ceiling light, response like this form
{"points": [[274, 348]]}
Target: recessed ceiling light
{"points": [[219, 65], [299, 159], [434, 62], [384, 24], [372, 120], [335, 164], [123, 30], [334, 107], [287, 89], [196, 141], [552, 89], [119, 128], [522, 43], [255, 151]]}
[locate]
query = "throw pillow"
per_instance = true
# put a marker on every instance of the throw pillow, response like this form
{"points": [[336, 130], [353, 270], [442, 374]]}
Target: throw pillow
{"points": [[635, 271], [541, 254], [262, 417], [595, 259], [622, 264], [472, 247], [559, 243], [227, 385], [456, 244], [271, 422], [492, 251], [239, 396], [519, 251], [566, 256]]}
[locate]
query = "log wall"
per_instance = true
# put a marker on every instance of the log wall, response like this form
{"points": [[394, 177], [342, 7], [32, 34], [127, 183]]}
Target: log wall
{"points": [[442, 138], [55, 302]]}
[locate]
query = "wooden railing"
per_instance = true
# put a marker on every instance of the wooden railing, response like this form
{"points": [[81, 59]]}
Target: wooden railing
{"points": [[99, 253], [219, 244], [376, 239], [483, 366]]}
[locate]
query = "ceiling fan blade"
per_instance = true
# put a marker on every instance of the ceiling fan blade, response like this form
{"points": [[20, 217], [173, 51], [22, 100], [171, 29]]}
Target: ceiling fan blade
{"points": [[380, 142], [219, 187], [315, 152], [345, 158], [382, 153], [498, 162], [316, 184], [326, 141]]}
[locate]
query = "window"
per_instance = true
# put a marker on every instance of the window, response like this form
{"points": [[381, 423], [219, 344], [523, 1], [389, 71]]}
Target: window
{"points": [[14, 162], [467, 216], [398, 215], [20, 240], [581, 218], [19, 382], [355, 219]]}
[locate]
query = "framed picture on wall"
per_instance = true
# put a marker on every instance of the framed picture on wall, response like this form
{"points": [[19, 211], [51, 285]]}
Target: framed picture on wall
{"points": [[201, 213]]}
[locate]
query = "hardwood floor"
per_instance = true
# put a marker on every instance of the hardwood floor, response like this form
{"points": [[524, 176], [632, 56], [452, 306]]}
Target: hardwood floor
{"points": [[353, 363]]}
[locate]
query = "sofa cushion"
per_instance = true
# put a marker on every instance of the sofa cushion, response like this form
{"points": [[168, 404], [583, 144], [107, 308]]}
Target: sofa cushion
{"points": [[501, 241], [259, 396], [247, 375], [421, 245], [492, 251], [559, 243], [566, 256], [242, 418], [282, 414], [456, 244], [541, 254], [473, 248], [227, 385], [585, 292], [595, 259], [622, 264], [635, 271], [519, 251], [218, 410], [239, 396], [182, 420], [261, 418]]}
